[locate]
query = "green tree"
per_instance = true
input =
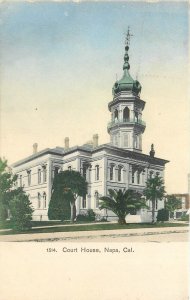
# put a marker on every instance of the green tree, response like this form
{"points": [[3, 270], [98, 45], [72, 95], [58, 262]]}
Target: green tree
{"points": [[122, 203], [154, 191], [21, 211], [59, 207], [172, 203], [13, 199], [7, 188], [68, 185]]}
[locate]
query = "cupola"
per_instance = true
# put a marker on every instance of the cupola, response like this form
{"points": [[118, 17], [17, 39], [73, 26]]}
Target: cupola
{"points": [[126, 83]]}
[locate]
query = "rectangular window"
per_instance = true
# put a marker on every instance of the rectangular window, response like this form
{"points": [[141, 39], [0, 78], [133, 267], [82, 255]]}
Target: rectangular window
{"points": [[29, 178], [138, 178], [39, 200], [20, 180], [97, 172], [133, 177], [116, 140], [119, 173], [111, 172], [125, 140], [56, 171], [39, 175], [84, 171], [44, 174], [84, 202], [44, 200], [96, 196]]}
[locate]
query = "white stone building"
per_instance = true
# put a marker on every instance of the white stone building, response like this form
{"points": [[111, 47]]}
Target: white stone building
{"points": [[117, 165]]}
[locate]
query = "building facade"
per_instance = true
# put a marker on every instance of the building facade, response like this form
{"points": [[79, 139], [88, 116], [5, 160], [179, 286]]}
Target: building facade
{"points": [[119, 164], [183, 208]]}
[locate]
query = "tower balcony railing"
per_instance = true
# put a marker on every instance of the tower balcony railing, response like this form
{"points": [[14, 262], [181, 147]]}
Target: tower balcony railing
{"points": [[126, 121]]}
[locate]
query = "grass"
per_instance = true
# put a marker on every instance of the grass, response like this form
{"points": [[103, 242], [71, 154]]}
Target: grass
{"points": [[7, 224], [92, 227]]}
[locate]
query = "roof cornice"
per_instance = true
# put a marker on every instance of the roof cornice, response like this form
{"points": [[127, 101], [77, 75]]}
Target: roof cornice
{"points": [[107, 147]]}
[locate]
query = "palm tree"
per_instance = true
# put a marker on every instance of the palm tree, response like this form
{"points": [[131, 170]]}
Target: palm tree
{"points": [[122, 203], [154, 191]]}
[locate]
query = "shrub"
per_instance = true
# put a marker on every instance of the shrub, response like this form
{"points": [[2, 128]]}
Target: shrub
{"points": [[82, 217], [3, 212], [91, 214], [185, 218], [88, 216], [163, 215], [21, 212]]}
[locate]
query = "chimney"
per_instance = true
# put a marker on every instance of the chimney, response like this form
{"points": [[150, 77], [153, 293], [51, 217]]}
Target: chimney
{"points": [[35, 148], [152, 152], [66, 143], [95, 140]]}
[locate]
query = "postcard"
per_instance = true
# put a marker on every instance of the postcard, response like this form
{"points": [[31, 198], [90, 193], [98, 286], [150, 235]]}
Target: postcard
{"points": [[94, 160]]}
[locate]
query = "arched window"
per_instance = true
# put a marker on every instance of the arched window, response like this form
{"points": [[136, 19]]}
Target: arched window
{"points": [[151, 174], [111, 171], [39, 175], [44, 200], [96, 196], [120, 173], [97, 172], [69, 168], [116, 114], [126, 114], [39, 200]]}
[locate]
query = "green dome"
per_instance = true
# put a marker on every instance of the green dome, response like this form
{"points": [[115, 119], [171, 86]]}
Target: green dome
{"points": [[126, 83]]}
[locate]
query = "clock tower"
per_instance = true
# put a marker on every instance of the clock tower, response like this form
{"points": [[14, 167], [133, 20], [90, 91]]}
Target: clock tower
{"points": [[126, 126]]}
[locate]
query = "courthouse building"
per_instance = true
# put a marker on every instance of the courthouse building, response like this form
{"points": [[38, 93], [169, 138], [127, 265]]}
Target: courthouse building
{"points": [[119, 164]]}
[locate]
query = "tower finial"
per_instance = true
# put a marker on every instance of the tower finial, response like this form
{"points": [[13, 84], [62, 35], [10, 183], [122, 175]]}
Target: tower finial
{"points": [[128, 37], [126, 56]]}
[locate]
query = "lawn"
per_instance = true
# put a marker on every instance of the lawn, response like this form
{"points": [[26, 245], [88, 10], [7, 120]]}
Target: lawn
{"points": [[7, 224], [91, 227]]}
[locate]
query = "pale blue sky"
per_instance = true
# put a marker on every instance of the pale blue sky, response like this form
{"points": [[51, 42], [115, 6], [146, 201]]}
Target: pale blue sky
{"points": [[62, 58]]}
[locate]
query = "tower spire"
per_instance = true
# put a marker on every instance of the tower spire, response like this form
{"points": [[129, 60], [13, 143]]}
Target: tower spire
{"points": [[126, 56], [126, 83]]}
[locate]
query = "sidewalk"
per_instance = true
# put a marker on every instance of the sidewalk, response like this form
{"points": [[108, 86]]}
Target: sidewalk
{"points": [[77, 235]]}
